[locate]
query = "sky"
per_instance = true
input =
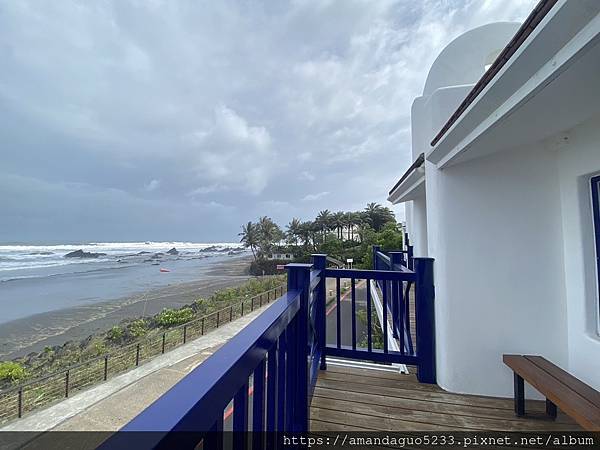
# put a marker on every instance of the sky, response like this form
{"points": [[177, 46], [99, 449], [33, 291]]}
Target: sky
{"points": [[126, 120]]}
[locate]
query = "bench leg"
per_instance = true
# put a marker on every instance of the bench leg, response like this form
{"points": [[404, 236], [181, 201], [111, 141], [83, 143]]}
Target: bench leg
{"points": [[550, 409], [519, 395]]}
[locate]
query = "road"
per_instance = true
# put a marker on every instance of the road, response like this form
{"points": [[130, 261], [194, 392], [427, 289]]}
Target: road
{"points": [[346, 316]]}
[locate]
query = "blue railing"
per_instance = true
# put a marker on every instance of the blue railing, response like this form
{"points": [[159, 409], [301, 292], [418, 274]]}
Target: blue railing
{"points": [[270, 368]]}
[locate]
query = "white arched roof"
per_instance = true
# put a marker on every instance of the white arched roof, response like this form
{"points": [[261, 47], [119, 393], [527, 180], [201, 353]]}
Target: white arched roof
{"points": [[464, 60]]}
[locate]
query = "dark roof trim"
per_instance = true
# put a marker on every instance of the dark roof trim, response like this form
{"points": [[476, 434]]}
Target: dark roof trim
{"points": [[532, 21], [418, 163]]}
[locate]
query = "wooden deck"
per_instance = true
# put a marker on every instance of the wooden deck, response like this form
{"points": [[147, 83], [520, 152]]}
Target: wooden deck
{"points": [[353, 399]]}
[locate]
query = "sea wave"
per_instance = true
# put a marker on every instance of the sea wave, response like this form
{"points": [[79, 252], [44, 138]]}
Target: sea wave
{"points": [[40, 257]]}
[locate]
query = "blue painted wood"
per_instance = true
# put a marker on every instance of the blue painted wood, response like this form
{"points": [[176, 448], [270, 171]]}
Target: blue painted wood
{"points": [[214, 438], [353, 288], [215, 381], [320, 264], [338, 313], [396, 264], [425, 317], [301, 342], [271, 396], [375, 355], [258, 406], [411, 260], [379, 275], [240, 418], [289, 339], [282, 402], [407, 333], [369, 318], [384, 302]]}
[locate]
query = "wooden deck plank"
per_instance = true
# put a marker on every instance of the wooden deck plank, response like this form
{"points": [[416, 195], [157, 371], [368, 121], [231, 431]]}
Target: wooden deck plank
{"points": [[443, 419], [428, 406], [348, 398]]}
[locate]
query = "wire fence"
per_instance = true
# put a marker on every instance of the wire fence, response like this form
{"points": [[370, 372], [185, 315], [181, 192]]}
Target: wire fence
{"points": [[19, 400]]}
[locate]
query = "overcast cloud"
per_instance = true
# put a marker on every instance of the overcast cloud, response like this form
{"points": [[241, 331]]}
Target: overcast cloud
{"points": [[181, 120]]}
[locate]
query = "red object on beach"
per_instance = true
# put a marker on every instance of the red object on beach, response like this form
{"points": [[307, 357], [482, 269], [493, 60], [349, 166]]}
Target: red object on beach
{"points": [[164, 270]]}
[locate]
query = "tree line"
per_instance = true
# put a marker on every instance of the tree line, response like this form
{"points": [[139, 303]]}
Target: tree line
{"points": [[339, 234]]}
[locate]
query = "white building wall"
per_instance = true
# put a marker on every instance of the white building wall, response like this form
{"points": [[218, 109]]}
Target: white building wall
{"points": [[578, 161], [419, 235], [496, 236]]}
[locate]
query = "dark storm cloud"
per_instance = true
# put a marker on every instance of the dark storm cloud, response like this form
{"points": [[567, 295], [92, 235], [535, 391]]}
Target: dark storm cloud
{"points": [[181, 119]]}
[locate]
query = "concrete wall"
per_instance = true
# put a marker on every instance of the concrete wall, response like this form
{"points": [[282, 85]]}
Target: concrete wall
{"points": [[578, 155], [496, 235]]}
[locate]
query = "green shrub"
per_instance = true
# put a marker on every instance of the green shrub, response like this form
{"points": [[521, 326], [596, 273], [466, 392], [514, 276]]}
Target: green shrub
{"points": [[138, 328], [115, 334], [172, 317], [12, 371], [266, 267]]}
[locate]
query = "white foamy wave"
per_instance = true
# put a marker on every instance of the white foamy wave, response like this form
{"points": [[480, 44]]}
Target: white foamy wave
{"points": [[27, 258]]}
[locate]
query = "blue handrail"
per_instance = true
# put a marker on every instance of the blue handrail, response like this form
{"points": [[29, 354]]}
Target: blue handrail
{"points": [[282, 351]]}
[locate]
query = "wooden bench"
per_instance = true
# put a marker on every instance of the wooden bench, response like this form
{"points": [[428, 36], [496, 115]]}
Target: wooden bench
{"points": [[572, 396]]}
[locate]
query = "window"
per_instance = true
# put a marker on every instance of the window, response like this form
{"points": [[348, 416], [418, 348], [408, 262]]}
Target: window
{"points": [[596, 211]]}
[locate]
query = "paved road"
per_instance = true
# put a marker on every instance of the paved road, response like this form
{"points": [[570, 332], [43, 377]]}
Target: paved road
{"points": [[346, 317]]}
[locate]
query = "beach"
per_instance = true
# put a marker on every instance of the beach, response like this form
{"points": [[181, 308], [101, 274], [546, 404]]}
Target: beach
{"points": [[51, 310]]}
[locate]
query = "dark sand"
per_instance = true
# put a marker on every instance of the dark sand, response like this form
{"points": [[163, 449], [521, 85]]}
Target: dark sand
{"points": [[22, 336]]}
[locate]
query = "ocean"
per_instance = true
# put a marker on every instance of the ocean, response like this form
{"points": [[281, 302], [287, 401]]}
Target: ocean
{"points": [[36, 279]]}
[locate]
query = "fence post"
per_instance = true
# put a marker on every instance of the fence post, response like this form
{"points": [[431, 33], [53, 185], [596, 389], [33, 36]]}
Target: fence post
{"points": [[105, 367], [218, 317], [137, 354], [230, 313], [20, 402], [376, 248], [202, 327], [425, 319], [67, 384], [184, 334], [320, 263], [163, 342], [396, 259], [299, 280]]}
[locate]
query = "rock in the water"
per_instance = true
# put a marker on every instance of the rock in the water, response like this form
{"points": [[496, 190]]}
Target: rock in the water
{"points": [[81, 254], [173, 251]]}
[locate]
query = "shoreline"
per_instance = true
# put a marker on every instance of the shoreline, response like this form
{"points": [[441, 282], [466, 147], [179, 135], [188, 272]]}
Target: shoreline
{"points": [[33, 333]]}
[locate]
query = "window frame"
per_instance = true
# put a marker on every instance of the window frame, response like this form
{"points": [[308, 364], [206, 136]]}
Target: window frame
{"points": [[595, 188]]}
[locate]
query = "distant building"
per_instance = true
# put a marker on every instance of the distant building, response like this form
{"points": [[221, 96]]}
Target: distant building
{"points": [[511, 140], [281, 256]]}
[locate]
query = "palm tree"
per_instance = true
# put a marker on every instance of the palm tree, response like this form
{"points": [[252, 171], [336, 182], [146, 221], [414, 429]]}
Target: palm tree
{"points": [[338, 223], [305, 232], [323, 220], [269, 234], [377, 216], [293, 231], [250, 237]]}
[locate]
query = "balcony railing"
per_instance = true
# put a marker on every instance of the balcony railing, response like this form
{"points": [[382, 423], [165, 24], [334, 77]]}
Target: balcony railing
{"points": [[269, 369]]}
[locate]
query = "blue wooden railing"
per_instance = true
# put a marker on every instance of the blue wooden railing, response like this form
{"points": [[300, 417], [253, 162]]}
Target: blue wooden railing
{"points": [[270, 368]]}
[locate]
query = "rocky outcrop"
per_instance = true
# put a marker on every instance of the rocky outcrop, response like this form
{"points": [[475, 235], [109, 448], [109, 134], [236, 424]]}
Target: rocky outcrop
{"points": [[81, 254], [173, 251]]}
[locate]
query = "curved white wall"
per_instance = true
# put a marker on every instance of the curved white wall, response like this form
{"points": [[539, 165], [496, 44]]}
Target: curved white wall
{"points": [[499, 279], [464, 60]]}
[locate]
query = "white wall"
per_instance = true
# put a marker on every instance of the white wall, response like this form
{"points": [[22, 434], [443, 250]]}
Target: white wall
{"points": [[419, 219], [579, 159], [496, 236]]}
